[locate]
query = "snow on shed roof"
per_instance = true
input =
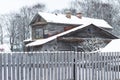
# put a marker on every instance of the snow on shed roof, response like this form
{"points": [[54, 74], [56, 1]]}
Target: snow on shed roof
{"points": [[113, 46], [43, 41], [61, 18]]}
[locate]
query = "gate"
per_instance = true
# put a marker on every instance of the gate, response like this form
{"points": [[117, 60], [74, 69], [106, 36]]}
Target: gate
{"points": [[59, 65]]}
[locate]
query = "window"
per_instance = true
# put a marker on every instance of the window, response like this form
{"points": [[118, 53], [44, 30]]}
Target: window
{"points": [[38, 33], [89, 30]]}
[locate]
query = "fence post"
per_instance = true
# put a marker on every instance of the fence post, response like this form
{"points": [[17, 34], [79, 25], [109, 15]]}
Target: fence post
{"points": [[74, 65]]}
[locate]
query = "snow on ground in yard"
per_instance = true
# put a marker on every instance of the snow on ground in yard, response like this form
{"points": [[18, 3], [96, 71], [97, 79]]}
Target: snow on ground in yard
{"points": [[4, 48], [113, 46]]}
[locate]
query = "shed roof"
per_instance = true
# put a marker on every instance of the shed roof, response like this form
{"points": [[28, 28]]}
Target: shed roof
{"points": [[62, 19]]}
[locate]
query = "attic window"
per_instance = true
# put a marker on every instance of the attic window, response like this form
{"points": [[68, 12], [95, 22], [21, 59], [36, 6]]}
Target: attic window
{"points": [[90, 30]]}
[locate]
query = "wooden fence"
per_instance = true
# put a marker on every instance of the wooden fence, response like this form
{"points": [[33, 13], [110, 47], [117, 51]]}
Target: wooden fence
{"points": [[60, 65]]}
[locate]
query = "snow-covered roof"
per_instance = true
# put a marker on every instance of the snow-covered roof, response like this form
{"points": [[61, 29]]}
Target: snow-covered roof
{"points": [[43, 41], [113, 46], [27, 40], [61, 18]]}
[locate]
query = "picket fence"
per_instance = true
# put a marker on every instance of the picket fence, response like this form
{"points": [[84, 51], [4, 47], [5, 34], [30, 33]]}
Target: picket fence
{"points": [[60, 65]]}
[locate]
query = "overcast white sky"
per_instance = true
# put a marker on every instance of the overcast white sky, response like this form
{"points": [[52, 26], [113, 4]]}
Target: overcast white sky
{"points": [[7, 6]]}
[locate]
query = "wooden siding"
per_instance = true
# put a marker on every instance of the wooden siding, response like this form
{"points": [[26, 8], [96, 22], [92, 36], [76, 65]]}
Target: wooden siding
{"points": [[49, 29]]}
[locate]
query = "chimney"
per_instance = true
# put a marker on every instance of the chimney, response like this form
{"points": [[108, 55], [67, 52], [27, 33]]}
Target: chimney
{"points": [[79, 15], [68, 14]]}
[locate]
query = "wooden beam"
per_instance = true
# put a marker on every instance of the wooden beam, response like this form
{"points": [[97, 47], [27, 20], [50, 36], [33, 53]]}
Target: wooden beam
{"points": [[38, 23], [74, 39]]}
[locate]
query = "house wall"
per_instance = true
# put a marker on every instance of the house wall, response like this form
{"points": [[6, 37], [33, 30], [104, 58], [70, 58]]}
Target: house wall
{"points": [[49, 29], [52, 29], [87, 32]]}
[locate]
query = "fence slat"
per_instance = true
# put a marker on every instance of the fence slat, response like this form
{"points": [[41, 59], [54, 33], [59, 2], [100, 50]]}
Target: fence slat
{"points": [[26, 66], [34, 66], [17, 68], [9, 66], [13, 66], [4, 64], [37, 66], [22, 65]]}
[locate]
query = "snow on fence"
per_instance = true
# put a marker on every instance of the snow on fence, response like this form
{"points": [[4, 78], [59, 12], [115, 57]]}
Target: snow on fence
{"points": [[57, 65]]}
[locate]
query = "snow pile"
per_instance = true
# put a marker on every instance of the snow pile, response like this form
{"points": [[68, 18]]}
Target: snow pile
{"points": [[4, 48], [113, 46]]}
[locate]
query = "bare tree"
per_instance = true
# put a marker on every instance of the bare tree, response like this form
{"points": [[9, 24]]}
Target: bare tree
{"points": [[103, 9], [1, 35], [18, 25]]}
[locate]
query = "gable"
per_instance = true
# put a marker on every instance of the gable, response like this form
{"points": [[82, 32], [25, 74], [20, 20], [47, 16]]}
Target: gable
{"points": [[91, 31], [37, 20]]}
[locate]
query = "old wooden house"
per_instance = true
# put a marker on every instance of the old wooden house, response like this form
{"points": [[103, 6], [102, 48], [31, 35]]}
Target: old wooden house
{"points": [[67, 32]]}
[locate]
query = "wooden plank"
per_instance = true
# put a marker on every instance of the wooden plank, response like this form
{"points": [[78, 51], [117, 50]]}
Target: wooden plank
{"points": [[5, 65], [55, 66], [39, 23], [48, 55], [75, 65], [9, 66], [44, 56], [33, 62], [63, 73], [41, 66], [52, 65], [13, 66], [59, 62], [17, 68], [26, 66], [72, 64], [30, 67], [69, 65], [1, 66], [38, 67], [22, 65], [80, 66]]}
